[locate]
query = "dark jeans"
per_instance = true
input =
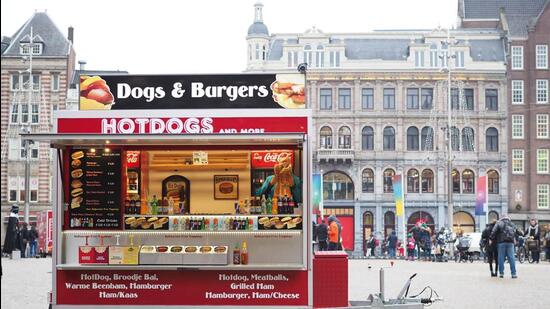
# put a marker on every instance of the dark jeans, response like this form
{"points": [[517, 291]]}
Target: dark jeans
{"points": [[548, 254], [372, 253], [410, 253], [323, 245], [332, 246], [536, 255], [391, 252], [506, 250], [492, 257], [417, 248], [427, 253]]}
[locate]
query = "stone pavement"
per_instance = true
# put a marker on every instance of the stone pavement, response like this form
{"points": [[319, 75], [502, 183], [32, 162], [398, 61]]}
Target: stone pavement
{"points": [[25, 283]]}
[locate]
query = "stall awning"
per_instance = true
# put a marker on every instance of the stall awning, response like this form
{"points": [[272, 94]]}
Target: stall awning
{"points": [[60, 140]]}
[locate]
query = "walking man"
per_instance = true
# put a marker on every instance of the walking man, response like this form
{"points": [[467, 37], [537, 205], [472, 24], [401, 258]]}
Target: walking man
{"points": [[322, 235], [392, 244], [490, 247], [504, 233]]}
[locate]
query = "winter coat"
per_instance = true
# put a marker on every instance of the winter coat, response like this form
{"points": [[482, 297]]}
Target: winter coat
{"points": [[322, 232]]}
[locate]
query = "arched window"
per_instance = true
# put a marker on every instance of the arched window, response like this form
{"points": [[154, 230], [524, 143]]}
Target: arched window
{"points": [[491, 139], [368, 180], [463, 221], [263, 52], [368, 228], [389, 222], [468, 139], [388, 180], [344, 138], [427, 181], [389, 138], [427, 138], [412, 138], [320, 56], [307, 54], [367, 138], [493, 216], [257, 51], [456, 181], [413, 181], [455, 139], [326, 138], [493, 182], [337, 186], [420, 217], [468, 181]]}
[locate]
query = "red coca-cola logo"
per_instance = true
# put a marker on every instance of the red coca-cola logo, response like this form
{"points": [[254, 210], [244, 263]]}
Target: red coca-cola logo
{"points": [[274, 157], [132, 158], [265, 159]]}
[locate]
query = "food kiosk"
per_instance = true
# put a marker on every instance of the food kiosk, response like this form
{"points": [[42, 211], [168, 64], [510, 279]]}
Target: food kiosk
{"points": [[154, 198]]}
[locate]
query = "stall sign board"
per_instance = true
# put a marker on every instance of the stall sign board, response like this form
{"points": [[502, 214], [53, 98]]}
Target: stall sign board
{"points": [[268, 159], [182, 287], [95, 184], [127, 92]]}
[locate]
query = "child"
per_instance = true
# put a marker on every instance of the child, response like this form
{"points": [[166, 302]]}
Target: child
{"points": [[410, 247]]}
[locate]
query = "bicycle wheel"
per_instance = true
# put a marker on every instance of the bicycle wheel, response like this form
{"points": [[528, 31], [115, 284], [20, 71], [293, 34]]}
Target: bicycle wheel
{"points": [[457, 257], [471, 258], [530, 257], [521, 255]]}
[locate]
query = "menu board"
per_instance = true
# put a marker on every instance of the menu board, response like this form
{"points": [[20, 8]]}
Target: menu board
{"points": [[95, 188]]}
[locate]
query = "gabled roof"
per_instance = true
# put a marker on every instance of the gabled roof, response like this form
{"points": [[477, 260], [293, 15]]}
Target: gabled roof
{"points": [[44, 31]]}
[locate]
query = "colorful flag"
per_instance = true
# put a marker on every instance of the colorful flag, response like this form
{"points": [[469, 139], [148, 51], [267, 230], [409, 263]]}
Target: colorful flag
{"points": [[398, 195], [317, 193], [481, 195]]}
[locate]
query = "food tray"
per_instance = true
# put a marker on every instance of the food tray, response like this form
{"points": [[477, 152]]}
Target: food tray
{"points": [[149, 255], [280, 223], [206, 258], [146, 223]]}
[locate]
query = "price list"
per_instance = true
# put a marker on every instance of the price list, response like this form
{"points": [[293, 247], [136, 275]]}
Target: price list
{"points": [[95, 189]]}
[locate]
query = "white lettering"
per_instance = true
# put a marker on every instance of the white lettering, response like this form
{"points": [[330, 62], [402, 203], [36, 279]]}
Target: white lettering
{"points": [[141, 122], [126, 126], [197, 90], [157, 126], [123, 90], [170, 126], [108, 126], [192, 125], [207, 126]]}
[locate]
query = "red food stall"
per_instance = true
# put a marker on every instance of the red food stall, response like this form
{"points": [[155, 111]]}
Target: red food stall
{"points": [[154, 204]]}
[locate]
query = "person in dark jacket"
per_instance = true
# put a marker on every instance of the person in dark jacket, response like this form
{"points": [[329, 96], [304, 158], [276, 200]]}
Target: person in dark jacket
{"points": [[504, 233], [322, 235], [547, 242], [417, 233], [490, 247], [33, 241], [24, 239], [11, 242], [392, 244], [533, 239]]}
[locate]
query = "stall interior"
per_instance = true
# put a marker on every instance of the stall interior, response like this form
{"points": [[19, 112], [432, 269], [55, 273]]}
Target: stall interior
{"points": [[193, 207]]}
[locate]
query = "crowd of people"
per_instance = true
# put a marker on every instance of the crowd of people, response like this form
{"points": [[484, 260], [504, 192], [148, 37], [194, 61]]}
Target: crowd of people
{"points": [[19, 237], [328, 236]]}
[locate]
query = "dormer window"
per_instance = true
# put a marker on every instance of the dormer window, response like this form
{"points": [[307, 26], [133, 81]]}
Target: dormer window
{"points": [[26, 47]]}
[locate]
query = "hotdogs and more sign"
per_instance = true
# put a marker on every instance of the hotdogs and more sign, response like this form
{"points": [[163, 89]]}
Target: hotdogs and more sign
{"points": [[120, 92]]}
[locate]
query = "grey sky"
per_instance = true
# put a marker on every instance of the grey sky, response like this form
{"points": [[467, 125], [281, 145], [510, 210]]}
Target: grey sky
{"points": [[208, 36]]}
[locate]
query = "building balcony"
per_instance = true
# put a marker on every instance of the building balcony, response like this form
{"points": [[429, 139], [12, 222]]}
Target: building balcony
{"points": [[335, 155]]}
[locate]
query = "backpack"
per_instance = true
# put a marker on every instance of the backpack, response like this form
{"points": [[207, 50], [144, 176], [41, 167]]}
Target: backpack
{"points": [[508, 231]]}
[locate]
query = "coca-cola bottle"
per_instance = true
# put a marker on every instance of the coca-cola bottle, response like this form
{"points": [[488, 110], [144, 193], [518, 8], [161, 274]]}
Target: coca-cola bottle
{"points": [[291, 205], [127, 209]]}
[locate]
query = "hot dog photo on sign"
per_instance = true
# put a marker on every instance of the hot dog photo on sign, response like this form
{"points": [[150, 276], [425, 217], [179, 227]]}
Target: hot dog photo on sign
{"points": [[289, 91]]}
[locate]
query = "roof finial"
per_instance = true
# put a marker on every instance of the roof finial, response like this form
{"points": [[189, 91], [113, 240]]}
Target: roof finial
{"points": [[258, 18]]}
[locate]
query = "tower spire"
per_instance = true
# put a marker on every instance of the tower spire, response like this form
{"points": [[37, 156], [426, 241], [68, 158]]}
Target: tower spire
{"points": [[258, 18]]}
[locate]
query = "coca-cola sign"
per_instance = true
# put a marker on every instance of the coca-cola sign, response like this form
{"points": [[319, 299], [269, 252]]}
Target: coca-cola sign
{"points": [[268, 158], [132, 159]]}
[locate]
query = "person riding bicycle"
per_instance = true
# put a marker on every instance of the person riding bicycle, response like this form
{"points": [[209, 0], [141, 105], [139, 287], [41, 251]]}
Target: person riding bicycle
{"points": [[533, 239]]}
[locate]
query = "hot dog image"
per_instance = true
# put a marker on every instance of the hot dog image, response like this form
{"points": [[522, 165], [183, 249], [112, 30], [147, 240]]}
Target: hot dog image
{"points": [[289, 91], [95, 93]]}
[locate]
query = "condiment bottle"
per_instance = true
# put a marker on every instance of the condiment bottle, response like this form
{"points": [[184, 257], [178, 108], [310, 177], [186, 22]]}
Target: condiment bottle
{"points": [[263, 205], [274, 205], [244, 254], [236, 255]]}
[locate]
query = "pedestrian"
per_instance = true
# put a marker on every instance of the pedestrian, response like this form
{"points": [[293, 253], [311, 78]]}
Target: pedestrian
{"points": [[12, 240], [410, 247], [426, 240], [533, 239], [24, 239], [504, 233], [440, 245], [392, 244], [547, 242], [322, 235], [490, 247], [333, 233], [417, 233], [33, 241]]}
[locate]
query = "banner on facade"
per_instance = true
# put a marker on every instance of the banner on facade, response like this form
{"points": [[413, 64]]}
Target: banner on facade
{"points": [[481, 196], [397, 181], [317, 193]]}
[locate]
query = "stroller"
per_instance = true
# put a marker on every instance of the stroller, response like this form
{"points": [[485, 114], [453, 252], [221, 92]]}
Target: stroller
{"points": [[463, 255]]}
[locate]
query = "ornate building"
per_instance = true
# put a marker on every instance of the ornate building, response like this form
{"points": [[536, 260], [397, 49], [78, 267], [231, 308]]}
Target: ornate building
{"points": [[379, 101]]}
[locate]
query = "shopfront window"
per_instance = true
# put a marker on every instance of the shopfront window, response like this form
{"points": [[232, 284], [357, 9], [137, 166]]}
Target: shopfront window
{"points": [[337, 186], [420, 217], [463, 221]]}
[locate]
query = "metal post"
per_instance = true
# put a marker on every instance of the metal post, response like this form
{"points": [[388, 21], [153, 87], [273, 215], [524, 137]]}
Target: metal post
{"points": [[450, 208], [27, 142]]}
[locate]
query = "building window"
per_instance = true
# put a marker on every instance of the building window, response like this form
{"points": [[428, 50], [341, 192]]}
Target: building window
{"points": [[367, 138], [22, 82], [55, 82], [427, 181], [517, 92], [455, 175], [517, 57], [292, 59], [491, 140], [389, 98], [388, 180], [36, 49], [413, 181], [517, 126], [326, 138], [307, 55], [412, 98], [367, 98], [427, 138], [20, 113], [344, 138], [467, 139], [419, 59], [427, 98], [368, 228], [320, 57], [543, 191], [518, 156], [34, 113], [493, 182], [15, 82], [389, 223], [491, 99], [542, 56], [16, 188], [459, 59], [468, 182], [389, 138], [325, 99], [368, 181], [257, 51], [455, 99], [434, 57], [543, 126], [344, 98], [455, 139], [334, 59], [412, 138], [469, 99], [542, 161], [542, 91], [17, 149], [337, 186]]}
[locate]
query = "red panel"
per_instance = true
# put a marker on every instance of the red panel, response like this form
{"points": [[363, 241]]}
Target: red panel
{"points": [[268, 159], [182, 287], [348, 232], [330, 279]]}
